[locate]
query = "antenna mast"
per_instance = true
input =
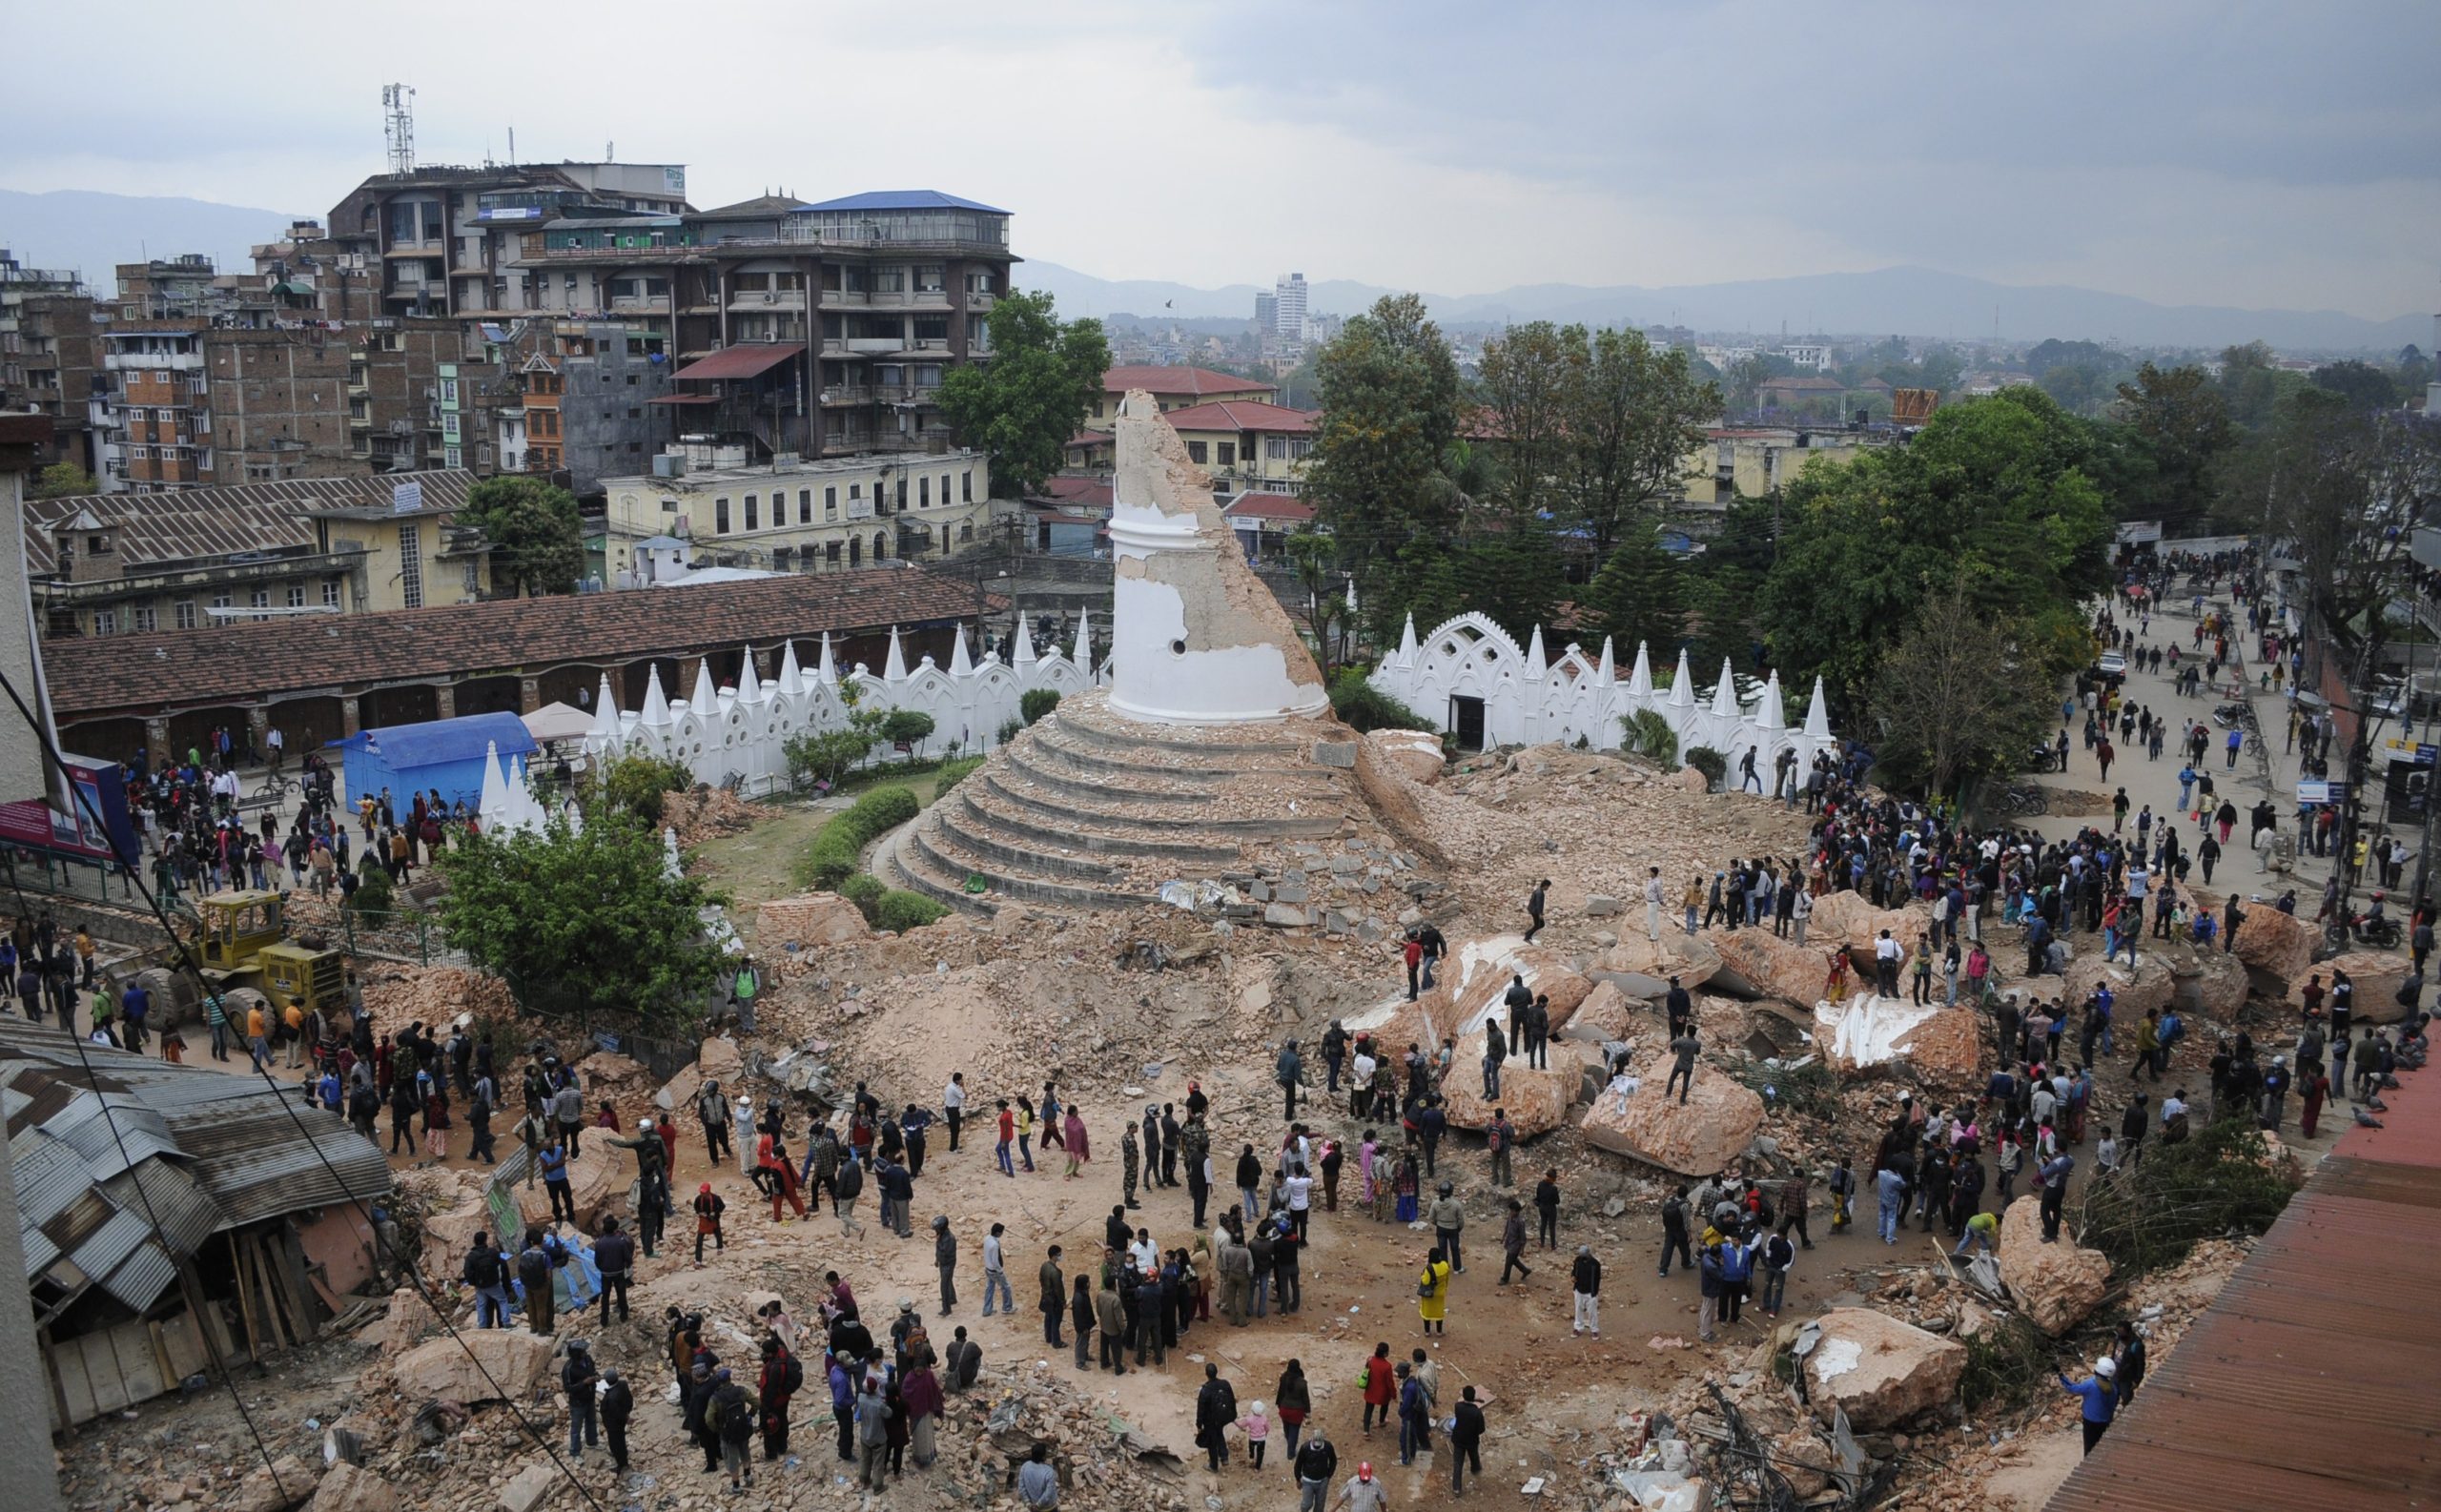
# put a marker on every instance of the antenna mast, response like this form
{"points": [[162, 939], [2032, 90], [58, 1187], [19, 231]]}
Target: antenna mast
{"points": [[399, 126]]}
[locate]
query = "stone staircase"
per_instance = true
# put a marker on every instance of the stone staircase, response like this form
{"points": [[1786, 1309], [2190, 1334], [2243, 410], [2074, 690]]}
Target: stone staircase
{"points": [[1088, 811]]}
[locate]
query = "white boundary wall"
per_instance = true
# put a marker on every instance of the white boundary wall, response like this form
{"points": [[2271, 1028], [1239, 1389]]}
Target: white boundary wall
{"points": [[738, 733], [1530, 699]]}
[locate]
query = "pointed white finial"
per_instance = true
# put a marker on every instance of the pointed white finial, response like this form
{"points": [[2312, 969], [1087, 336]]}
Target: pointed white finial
{"points": [[1021, 645], [706, 701], [1406, 642], [1770, 716], [1536, 665], [959, 665], [1640, 677], [1351, 593], [1725, 692], [1084, 652], [894, 669], [656, 712], [493, 802], [1682, 682], [828, 671], [790, 682], [605, 733], [750, 688], [1818, 715], [1608, 672]]}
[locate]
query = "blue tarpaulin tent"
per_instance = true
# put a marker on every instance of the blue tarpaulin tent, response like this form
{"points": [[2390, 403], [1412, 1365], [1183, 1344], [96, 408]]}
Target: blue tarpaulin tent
{"points": [[442, 753]]}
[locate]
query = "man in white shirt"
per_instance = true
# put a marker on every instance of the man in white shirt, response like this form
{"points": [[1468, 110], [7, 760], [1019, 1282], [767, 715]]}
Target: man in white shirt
{"points": [[954, 1103], [1885, 964], [1653, 901], [995, 1275]]}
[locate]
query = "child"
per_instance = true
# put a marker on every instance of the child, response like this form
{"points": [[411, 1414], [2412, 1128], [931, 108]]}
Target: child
{"points": [[1258, 1429], [1843, 1186], [709, 1208]]}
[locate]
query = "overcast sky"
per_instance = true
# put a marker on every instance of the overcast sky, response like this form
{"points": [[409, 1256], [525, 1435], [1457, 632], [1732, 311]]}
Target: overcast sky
{"points": [[2266, 154]]}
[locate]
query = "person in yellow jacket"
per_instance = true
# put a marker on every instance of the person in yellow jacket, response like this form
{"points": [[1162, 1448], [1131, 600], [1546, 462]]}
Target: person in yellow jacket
{"points": [[1432, 1292]]}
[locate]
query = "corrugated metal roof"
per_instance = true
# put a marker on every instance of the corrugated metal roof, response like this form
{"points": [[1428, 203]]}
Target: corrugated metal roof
{"points": [[2306, 1386], [203, 1152], [205, 523]]}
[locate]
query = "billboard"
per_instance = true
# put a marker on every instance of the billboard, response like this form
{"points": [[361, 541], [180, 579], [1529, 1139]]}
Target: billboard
{"points": [[99, 829]]}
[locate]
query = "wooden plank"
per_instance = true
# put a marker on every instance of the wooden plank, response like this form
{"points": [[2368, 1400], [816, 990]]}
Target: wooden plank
{"points": [[76, 1386], [183, 1345], [289, 1265], [259, 1265], [139, 1371], [254, 1340], [153, 1334]]}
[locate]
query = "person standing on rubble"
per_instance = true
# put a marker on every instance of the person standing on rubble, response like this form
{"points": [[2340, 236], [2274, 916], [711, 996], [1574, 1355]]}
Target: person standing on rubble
{"points": [[2097, 1397]]}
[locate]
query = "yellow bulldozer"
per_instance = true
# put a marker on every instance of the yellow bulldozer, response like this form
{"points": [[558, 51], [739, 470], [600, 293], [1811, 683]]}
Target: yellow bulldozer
{"points": [[243, 943]]}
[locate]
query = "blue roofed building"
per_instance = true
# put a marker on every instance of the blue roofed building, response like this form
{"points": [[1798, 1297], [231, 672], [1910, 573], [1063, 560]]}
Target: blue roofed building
{"points": [[443, 755]]}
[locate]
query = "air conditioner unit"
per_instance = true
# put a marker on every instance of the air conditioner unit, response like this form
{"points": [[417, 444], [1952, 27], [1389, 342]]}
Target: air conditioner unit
{"points": [[770, 298]]}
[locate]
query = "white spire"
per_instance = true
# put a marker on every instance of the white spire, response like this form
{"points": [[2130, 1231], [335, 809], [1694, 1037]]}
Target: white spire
{"points": [[1021, 645], [1083, 655], [493, 803], [1351, 593], [707, 699], [1640, 679], [894, 670], [827, 671], [959, 665], [1770, 716], [1682, 682], [1535, 663], [1725, 692], [1406, 642], [750, 688], [1608, 673], [656, 712], [790, 682], [605, 717], [1818, 715]]}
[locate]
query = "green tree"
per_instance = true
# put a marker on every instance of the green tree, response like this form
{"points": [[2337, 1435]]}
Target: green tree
{"points": [[1023, 404], [2076, 386], [1639, 596], [2056, 352], [581, 918], [906, 727], [2185, 423], [1390, 391], [2363, 385], [1990, 491], [1529, 373], [536, 538], [1635, 413], [632, 781], [1315, 558], [1951, 701], [64, 481]]}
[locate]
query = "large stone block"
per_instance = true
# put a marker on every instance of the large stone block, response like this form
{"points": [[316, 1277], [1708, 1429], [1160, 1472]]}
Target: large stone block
{"points": [[2152, 985], [1606, 1014], [1851, 918], [1882, 1372], [1937, 1047], [1756, 963], [352, 1488], [2377, 975], [1414, 754], [2269, 940], [1643, 968], [1702, 1137], [1550, 973], [514, 1360], [1537, 1101], [2056, 1284], [274, 1488]]}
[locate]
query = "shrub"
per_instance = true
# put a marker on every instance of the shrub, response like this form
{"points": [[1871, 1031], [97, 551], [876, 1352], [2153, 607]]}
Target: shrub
{"points": [[1362, 706], [373, 894], [2219, 1181], [953, 773], [865, 890], [837, 850], [910, 727], [1710, 763], [901, 910], [635, 781], [1650, 736], [1038, 702], [1008, 730]]}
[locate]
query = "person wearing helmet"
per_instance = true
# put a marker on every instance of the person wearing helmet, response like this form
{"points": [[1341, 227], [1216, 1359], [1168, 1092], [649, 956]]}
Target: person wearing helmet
{"points": [[1448, 1219], [1362, 1493], [2099, 1397]]}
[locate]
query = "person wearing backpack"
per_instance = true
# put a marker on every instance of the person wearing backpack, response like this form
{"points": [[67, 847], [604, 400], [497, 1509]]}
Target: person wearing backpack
{"points": [[534, 1274], [783, 1378], [487, 1273], [576, 1380], [733, 1418]]}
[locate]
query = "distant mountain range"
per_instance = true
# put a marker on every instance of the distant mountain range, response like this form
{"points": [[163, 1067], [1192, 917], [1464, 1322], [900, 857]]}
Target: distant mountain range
{"points": [[94, 232], [1887, 301]]}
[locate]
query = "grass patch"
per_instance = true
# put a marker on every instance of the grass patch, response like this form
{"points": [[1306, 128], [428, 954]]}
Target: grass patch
{"points": [[2218, 1183], [837, 852]]}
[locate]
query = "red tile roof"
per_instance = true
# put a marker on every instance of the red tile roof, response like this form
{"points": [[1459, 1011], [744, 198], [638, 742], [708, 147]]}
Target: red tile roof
{"points": [[744, 360], [1196, 382], [1094, 493], [135, 674], [1242, 414], [1269, 506]]}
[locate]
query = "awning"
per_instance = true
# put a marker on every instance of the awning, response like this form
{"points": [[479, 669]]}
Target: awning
{"points": [[741, 361], [684, 398]]}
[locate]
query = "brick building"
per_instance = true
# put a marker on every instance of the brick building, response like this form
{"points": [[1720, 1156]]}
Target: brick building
{"points": [[48, 354]]}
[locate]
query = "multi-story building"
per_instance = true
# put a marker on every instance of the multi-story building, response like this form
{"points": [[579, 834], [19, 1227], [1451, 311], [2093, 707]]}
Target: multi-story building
{"points": [[592, 394], [1266, 313], [796, 517], [1247, 446], [1288, 304], [116, 564], [812, 330], [1173, 388], [447, 241], [1813, 357], [46, 354]]}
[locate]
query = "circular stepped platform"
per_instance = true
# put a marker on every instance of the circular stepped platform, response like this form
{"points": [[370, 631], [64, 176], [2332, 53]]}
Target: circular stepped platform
{"points": [[1085, 811]]}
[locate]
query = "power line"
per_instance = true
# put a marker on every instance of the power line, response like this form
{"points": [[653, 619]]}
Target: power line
{"points": [[186, 961]]}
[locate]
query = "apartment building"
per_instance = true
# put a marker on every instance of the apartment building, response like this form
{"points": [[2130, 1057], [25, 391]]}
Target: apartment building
{"points": [[1289, 307], [590, 394], [801, 329], [1247, 446], [124, 565], [48, 354], [447, 241], [803, 516]]}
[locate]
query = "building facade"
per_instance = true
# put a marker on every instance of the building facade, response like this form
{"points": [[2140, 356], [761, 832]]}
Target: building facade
{"points": [[1289, 307], [808, 515], [590, 393], [1247, 446], [1173, 388]]}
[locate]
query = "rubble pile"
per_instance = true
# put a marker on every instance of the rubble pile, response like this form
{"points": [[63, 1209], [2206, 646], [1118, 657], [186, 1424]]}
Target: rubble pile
{"points": [[2056, 1284], [400, 995], [705, 814], [1882, 1372], [1701, 1137], [808, 921]]}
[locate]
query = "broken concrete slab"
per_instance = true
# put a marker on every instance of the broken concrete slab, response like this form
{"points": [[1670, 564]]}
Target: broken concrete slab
{"points": [[1702, 1137], [1335, 753], [1643, 968], [529, 1490], [287, 1482], [807, 920], [1756, 963], [2055, 1284], [512, 1362], [1880, 1370], [2377, 975], [1926, 1043], [1606, 1015]]}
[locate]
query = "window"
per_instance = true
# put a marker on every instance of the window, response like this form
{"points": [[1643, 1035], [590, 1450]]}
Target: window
{"points": [[106, 621], [902, 493], [449, 390], [966, 487], [219, 601], [928, 277], [881, 546], [923, 493], [888, 280], [142, 620], [411, 566], [182, 614], [720, 516], [932, 328], [966, 531], [751, 509], [330, 593], [297, 595], [259, 599], [945, 490], [829, 505], [1198, 452], [1276, 447], [474, 579], [1228, 454], [830, 552], [781, 559], [805, 506]]}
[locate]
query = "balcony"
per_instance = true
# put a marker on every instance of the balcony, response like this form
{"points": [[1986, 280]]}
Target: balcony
{"points": [[640, 304], [767, 299], [849, 394]]}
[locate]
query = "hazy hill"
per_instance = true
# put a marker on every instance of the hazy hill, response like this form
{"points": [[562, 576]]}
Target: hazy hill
{"points": [[93, 233]]}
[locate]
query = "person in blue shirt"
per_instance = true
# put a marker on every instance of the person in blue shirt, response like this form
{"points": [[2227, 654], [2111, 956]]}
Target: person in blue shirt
{"points": [[1890, 1190], [2099, 1397]]}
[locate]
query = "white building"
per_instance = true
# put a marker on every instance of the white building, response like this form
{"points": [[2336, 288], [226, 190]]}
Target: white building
{"points": [[1288, 306], [1813, 356]]}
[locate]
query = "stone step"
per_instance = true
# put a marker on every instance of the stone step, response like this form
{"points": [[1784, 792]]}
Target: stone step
{"points": [[941, 854], [1033, 763], [1161, 783], [984, 803], [895, 865], [1126, 737], [1049, 804], [976, 833]]}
